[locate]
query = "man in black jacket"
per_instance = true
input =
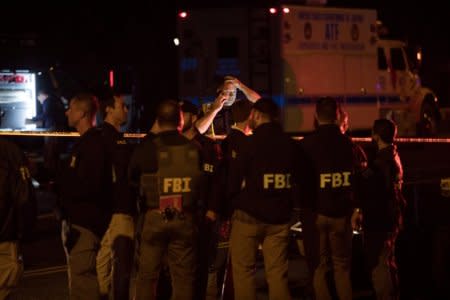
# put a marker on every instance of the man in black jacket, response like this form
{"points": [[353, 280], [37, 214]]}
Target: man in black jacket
{"points": [[17, 213], [169, 169], [51, 117], [334, 163], [262, 191], [115, 257], [86, 198], [382, 209], [234, 143]]}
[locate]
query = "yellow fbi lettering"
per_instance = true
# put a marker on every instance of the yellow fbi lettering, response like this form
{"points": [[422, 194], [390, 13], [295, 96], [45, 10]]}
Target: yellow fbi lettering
{"points": [[177, 185], [277, 181], [334, 180], [208, 168]]}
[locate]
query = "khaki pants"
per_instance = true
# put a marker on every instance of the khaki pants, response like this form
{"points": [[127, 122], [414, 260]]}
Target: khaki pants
{"points": [[81, 247], [11, 268], [178, 239], [121, 225], [335, 248], [245, 238]]}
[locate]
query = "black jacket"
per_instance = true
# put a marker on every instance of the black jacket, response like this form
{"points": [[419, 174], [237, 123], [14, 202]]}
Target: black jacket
{"points": [[119, 152], [334, 165], [383, 203], [17, 197], [211, 155], [86, 183], [233, 145], [268, 168]]}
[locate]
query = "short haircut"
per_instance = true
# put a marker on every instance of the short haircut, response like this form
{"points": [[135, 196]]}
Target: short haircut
{"points": [[385, 129], [107, 99], [44, 91], [88, 102], [240, 110], [168, 113], [189, 107], [268, 107], [327, 109], [221, 85]]}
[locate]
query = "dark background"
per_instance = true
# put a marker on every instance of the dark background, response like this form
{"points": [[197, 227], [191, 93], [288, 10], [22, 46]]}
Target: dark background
{"points": [[84, 40]]}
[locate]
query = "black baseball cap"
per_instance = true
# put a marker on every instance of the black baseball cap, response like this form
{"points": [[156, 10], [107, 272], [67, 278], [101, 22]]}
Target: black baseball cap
{"points": [[268, 107], [189, 107]]}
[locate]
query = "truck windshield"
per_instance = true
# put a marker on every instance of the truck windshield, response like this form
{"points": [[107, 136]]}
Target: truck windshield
{"points": [[382, 62], [398, 59]]}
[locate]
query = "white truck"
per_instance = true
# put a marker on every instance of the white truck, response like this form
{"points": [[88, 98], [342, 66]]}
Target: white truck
{"points": [[17, 98], [296, 54]]}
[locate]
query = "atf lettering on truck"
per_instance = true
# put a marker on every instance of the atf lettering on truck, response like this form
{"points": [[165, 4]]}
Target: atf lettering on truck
{"points": [[331, 32], [311, 52]]}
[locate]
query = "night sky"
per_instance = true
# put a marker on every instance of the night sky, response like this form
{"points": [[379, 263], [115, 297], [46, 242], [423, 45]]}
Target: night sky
{"points": [[86, 40]]}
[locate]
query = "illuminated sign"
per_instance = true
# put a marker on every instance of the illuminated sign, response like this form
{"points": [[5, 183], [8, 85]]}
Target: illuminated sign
{"points": [[17, 99], [13, 78]]}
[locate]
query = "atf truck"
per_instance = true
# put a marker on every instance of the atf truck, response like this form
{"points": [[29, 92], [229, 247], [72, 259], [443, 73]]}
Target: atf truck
{"points": [[17, 98], [296, 54]]}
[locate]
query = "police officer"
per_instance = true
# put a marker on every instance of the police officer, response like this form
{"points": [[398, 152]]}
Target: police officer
{"points": [[115, 257], [51, 118], [169, 172], [86, 187], [17, 212], [333, 162], [262, 194], [383, 210], [194, 126]]}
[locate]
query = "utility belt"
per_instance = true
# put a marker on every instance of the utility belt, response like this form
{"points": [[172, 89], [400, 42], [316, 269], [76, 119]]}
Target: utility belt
{"points": [[171, 207]]}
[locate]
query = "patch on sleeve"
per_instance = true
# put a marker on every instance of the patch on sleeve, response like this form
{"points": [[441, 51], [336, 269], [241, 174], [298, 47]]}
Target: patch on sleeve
{"points": [[445, 187], [25, 173]]}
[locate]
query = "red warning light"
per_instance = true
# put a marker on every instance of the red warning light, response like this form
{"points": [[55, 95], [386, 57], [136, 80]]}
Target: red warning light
{"points": [[183, 14], [111, 78], [286, 10], [273, 10]]}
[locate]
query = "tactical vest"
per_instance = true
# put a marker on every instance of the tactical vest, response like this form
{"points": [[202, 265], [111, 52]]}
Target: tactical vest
{"points": [[178, 174]]}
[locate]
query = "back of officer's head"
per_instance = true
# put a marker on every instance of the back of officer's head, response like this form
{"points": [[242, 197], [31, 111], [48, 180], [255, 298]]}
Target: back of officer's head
{"points": [[190, 114], [44, 91], [267, 108], [327, 110], [385, 129], [240, 110], [168, 114], [88, 103]]}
